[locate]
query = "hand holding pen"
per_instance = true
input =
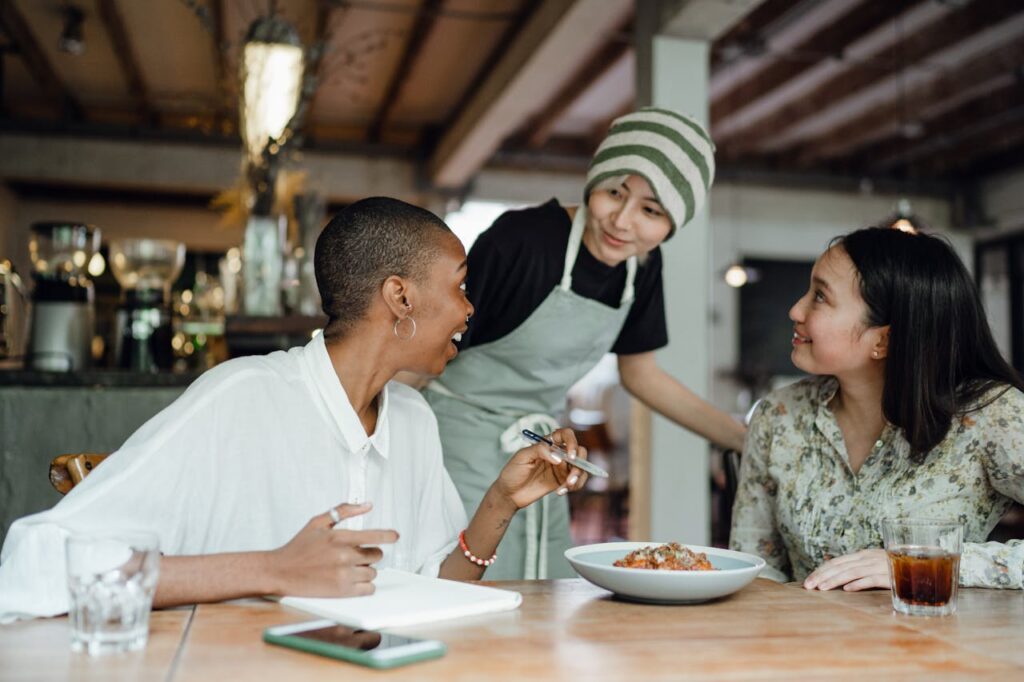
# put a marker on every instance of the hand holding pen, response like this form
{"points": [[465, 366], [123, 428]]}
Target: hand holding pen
{"points": [[580, 463], [547, 466]]}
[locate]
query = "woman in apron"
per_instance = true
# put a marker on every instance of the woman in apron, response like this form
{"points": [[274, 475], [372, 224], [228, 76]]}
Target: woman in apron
{"points": [[556, 290]]}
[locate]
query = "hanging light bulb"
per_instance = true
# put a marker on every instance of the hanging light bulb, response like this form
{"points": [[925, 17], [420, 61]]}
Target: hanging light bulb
{"points": [[736, 276], [904, 219], [72, 40], [271, 79], [97, 264]]}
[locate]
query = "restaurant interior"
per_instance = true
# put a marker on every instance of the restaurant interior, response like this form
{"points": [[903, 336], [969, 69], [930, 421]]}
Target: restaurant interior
{"points": [[167, 165]]}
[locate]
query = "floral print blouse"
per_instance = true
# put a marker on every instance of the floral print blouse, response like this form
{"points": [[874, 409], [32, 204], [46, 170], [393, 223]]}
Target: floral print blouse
{"points": [[799, 503]]}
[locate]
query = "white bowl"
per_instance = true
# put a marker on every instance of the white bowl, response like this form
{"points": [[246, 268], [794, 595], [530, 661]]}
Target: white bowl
{"points": [[735, 571]]}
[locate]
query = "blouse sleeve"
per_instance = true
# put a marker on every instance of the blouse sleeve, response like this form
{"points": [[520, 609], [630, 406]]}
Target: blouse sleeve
{"points": [[151, 483], [997, 564], [440, 509], [754, 528]]}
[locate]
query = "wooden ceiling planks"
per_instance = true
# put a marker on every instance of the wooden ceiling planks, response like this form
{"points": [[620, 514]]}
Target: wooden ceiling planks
{"points": [[596, 68], [952, 86], [812, 85], [780, 36], [832, 40], [964, 125], [426, 19], [949, 28], [223, 121], [17, 30], [457, 50], [112, 19], [747, 35]]}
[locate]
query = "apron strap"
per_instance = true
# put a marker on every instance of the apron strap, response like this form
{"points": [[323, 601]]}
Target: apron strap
{"points": [[535, 562], [627, 291], [579, 225], [535, 565], [572, 250]]}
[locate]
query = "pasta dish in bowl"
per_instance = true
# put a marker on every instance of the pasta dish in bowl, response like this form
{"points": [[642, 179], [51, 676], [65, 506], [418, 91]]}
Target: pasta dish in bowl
{"points": [[665, 573]]}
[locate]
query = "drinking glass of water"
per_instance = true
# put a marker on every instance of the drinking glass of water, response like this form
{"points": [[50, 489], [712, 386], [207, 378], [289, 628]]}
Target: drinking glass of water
{"points": [[111, 580], [924, 564]]}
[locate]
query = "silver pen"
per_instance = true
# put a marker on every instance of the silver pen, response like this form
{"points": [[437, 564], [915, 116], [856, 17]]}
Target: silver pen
{"points": [[579, 462]]}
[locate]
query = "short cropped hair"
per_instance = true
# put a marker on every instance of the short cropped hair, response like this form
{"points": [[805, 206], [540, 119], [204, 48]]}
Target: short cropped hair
{"points": [[362, 246]]}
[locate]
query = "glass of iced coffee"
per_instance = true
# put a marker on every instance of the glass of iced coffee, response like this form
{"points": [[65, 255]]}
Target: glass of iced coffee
{"points": [[924, 564]]}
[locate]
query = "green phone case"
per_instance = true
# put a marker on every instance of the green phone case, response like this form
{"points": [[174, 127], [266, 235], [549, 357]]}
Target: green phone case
{"points": [[348, 654]]}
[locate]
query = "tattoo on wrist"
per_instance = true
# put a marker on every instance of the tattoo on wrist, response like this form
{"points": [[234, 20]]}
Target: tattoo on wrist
{"points": [[503, 524]]}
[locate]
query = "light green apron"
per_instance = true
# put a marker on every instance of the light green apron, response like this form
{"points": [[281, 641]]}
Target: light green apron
{"points": [[489, 393]]}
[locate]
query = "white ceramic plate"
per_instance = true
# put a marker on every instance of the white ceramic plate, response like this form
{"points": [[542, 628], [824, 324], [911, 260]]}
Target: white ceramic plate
{"points": [[735, 571]]}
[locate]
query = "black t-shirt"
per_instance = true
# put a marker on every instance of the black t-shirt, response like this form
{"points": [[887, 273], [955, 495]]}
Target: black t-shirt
{"points": [[515, 264]]}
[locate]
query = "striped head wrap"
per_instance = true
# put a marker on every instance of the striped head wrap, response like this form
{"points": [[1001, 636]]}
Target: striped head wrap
{"points": [[671, 151]]}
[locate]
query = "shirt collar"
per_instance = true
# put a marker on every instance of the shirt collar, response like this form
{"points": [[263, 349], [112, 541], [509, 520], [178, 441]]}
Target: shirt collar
{"points": [[827, 390], [328, 385], [826, 421]]}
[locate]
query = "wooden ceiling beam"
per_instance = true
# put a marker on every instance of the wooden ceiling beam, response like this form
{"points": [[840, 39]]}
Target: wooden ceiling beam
{"points": [[946, 132], [423, 24], [997, 161], [801, 20], [894, 85], [701, 19], [512, 30], [929, 99], [832, 39], [747, 33], [949, 29], [20, 35], [590, 73], [553, 41], [222, 120], [600, 130], [322, 36], [1002, 134], [112, 20]]}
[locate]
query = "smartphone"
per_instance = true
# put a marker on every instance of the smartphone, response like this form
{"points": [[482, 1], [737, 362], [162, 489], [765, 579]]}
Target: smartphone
{"points": [[366, 647]]}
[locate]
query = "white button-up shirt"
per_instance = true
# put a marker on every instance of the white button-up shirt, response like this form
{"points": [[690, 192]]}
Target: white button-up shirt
{"points": [[241, 462]]}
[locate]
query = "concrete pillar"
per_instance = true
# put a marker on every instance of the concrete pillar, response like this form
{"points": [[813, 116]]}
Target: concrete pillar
{"points": [[673, 73]]}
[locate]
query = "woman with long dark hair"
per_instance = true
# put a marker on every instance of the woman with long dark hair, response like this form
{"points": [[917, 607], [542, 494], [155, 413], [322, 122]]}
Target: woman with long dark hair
{"points": [[911, 412]]}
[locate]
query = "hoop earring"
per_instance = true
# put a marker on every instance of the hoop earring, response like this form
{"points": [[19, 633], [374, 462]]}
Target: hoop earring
{"points": [[411, 334]]}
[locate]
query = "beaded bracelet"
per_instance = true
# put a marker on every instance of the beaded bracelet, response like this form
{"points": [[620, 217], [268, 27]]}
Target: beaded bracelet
{"points": [[472, 557]]}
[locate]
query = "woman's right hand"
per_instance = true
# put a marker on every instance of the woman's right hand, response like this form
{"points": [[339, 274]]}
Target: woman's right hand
{"points": [[322, 562]]}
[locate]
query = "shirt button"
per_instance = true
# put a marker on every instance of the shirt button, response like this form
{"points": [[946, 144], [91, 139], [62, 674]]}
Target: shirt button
{"points": [[878, 443]]}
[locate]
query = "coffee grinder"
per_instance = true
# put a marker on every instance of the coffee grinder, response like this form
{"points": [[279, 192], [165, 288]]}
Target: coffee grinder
{"points": [[62, 300], [145, 269]]}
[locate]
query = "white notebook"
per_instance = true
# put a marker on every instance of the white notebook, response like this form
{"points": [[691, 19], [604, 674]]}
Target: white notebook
{"points": [[402, 599]]}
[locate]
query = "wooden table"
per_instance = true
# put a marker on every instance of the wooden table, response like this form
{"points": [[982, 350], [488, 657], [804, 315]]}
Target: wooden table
{"points": [[571, 630]]}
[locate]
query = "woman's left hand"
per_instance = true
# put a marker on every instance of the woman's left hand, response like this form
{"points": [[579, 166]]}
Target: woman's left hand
{"points": [[535, 471], [861, 570]]}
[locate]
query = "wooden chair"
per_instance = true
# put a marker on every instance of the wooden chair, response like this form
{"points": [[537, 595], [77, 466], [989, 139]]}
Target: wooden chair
{"points": [[67, 471]]}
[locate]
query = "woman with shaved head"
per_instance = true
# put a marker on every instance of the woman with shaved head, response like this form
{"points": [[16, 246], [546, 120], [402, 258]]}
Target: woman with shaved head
{"points": [[301, 472]]}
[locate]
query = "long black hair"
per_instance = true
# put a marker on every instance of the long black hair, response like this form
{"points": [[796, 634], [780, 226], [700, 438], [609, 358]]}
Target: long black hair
{"points": [[942, 361]]}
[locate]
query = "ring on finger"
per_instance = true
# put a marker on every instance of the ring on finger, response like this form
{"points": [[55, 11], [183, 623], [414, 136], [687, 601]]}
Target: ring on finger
{"points": [[335, 516]]}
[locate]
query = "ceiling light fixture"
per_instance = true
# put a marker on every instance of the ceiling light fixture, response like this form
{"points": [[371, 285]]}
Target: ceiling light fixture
{"points": [[738, 275], [72, 40], [904, 219], [271, 78]]}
